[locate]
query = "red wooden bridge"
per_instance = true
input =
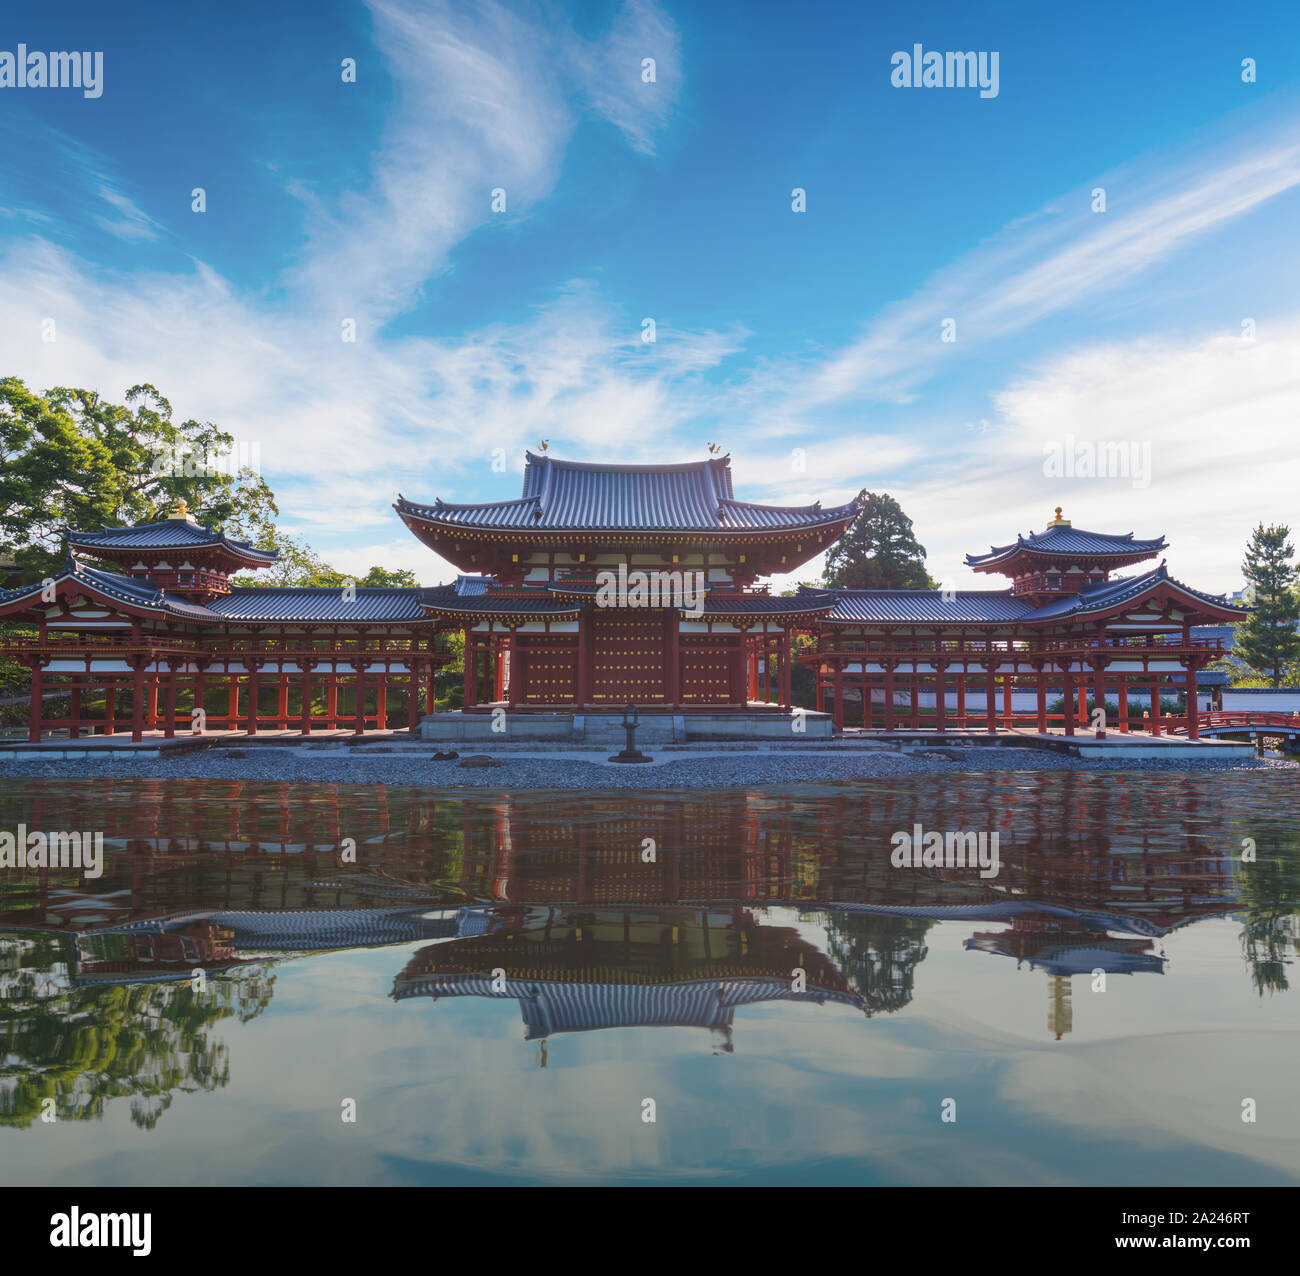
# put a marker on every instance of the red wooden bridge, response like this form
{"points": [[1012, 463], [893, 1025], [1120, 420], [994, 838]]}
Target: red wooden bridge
{"points": [[1228, 722]]}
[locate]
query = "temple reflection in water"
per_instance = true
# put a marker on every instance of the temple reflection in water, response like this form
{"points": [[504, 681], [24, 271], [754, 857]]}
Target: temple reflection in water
{"points": [[597, 910]]}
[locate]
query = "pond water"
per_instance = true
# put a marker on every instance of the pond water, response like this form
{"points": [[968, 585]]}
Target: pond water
{"points": [[328, 984]]}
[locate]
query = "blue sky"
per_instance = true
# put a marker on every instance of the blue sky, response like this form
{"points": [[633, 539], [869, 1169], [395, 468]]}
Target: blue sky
{"points": [[807, 343]]}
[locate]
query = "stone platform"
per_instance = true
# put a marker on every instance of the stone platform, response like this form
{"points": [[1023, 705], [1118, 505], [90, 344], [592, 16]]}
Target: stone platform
{"points": [[506, 727]]}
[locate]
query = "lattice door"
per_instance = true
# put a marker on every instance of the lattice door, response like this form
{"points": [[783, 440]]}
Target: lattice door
{"points": [[550, 674], [706, 675], [629, 656]]}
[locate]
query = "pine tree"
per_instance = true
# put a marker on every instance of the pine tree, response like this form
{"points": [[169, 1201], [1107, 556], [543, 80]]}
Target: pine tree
{"points": [[1267, 639], [879, 550]]}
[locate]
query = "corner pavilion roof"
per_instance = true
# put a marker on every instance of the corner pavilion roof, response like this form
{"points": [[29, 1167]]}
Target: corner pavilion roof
{"points": [[695, 496], [172, 533], [1061, 540], [992, 607], [377, 604]]}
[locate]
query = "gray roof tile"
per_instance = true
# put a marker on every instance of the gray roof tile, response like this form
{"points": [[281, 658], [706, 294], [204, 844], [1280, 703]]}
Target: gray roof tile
{"points": [[1070, 540], [175, 533], [573, 495]]}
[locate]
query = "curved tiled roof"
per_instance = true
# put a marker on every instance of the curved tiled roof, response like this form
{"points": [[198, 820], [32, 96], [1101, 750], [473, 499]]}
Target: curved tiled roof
{"points": [[320, 603], [174, 533], [116, 588], [454, 599], [373, 604], [926, 606], [1069, 541], [550, 1007], [803, 603], [573, 495], [1102, 597], [932, 606]]}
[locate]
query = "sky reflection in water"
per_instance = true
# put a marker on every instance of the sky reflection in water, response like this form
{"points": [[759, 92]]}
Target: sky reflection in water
{"points": [[500, 981]]}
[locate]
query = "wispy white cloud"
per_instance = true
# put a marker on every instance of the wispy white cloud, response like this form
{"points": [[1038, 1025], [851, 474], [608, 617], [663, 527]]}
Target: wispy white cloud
{"points": [[487, 97], [631, 75], [1054, 261], [130, 223], [486, 102]]}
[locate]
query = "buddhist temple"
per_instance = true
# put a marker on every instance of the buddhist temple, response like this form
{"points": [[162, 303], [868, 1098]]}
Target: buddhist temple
{"points": [[602, 586], [1067, 626], [554, 617]]}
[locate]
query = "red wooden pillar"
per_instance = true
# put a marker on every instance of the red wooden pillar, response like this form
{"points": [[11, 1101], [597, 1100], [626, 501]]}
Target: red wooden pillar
{"points": [[332, 699], [430, 687], [753, 668], [304, 709], [961, 695], [381, 700], [518, 663], [889, 695], [787, 695], [169, 702], [839, 694], [498, 668], [413, 698], [990, 702], [1155, 705], [110, 708], [282, 700], [914, 691], [675, 659], [1008, 683], [37, 705], [940, 709], [1067, 679], [1040, 687], [471, 669], [736, 655], [253, 681], [200, 680], [137, 699], [232, 703], [359, 723], [1122, 693], [1099, 695], [153, 699], [1193, 714]]}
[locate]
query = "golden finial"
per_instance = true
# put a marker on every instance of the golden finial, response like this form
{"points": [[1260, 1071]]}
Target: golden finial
{"points": [[181, 514], [1058, 521]]}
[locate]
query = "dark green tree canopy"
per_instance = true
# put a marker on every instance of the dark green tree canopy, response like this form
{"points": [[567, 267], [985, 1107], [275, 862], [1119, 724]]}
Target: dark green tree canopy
{"points": [[1267, 639], [69, 458], [879, 550]]}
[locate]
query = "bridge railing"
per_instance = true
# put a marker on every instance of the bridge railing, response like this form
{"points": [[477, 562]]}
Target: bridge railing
{"points": [[1249, 718]]}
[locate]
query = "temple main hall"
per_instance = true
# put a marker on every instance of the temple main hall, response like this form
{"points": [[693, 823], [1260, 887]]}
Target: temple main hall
{"points": [[598, 587]]}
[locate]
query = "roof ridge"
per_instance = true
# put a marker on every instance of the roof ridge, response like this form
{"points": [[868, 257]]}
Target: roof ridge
{"points": [[616, 467]]}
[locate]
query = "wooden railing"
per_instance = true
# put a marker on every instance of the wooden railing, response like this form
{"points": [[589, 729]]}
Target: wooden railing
{"points": [[1250, 718], [58, 646], [1161, 644]]}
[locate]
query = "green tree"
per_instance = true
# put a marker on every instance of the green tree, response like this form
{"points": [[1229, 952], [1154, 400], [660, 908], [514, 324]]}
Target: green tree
{"points": [[879, 550], [85, 1046], [1267, 639], [69, 458], [300, 566]]}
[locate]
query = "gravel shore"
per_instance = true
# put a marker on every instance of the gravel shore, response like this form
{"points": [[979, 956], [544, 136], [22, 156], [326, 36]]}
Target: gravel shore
{"points": [[529, 771]]}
